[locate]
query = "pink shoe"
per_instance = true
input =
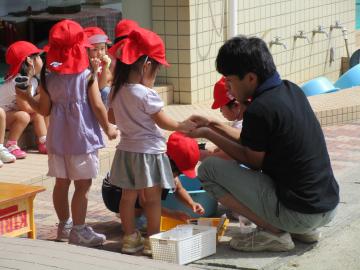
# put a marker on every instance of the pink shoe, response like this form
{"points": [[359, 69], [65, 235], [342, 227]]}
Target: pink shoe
{"points": [[16, 151], [42, 148]]}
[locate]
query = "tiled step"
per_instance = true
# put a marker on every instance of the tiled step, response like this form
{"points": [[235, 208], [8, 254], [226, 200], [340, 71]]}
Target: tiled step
{"points": [[338, 107]]}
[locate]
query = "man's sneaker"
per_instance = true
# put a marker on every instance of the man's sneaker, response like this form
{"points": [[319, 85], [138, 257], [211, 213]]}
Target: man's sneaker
{"points": [[6, 156], [147, 247], [86, 237], [132, 243], [309, 237], [42, 148], [262, 241], [63, 230], [16, 151]]}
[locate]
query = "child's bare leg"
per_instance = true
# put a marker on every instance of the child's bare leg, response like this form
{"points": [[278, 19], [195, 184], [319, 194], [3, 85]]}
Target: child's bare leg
{"points": [[2, 125], [39, 125], [127, 210], [60, 198], [16, 121], [152, 209], [80, 201], [47, 119]]}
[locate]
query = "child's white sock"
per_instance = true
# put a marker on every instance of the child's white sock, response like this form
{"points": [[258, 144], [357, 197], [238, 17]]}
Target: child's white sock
{"points": [[79, 227], [133, 235], [66, 222]]}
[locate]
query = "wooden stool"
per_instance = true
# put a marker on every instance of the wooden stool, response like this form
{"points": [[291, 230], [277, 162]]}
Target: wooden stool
{"points": [[17, 209]]}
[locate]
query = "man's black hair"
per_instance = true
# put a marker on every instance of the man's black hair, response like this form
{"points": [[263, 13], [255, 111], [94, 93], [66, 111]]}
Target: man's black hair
{"points": [[241, 55]]}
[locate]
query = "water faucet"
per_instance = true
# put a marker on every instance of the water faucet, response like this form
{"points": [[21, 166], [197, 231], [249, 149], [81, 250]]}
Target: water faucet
{"points": [[301, 35], [320, 30], [337, 25], [276, 41]]}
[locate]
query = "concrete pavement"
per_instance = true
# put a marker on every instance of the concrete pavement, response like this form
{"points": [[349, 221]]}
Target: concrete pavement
{"points": [[342, 234]]}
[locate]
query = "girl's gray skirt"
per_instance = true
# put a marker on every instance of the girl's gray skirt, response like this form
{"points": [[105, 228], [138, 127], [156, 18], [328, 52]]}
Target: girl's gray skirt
{"points": [[131, 170]]}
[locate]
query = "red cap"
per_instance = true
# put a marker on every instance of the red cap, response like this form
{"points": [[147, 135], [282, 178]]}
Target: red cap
{"points": [[96, 35], [16, 55], [124, 27], [66, 51], [140, 42], [221, 94], [184, 151]]}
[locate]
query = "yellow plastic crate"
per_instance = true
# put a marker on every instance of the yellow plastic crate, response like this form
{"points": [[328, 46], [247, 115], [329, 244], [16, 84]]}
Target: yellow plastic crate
{"points": [[167, 223], [220, 223]]}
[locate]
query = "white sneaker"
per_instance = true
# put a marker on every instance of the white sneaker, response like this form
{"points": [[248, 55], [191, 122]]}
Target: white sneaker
{"points": [[309, 237], [86, 237], [1, 163], [263, 241], [63, 230], [6, 156]]}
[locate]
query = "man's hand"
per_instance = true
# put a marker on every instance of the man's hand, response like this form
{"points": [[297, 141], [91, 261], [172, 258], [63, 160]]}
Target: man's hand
{"points": [[199, 132], [201, 121], [187, 126]]}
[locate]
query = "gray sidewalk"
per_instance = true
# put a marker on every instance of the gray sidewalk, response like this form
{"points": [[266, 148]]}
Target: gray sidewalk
{"points": [[341, 234]]}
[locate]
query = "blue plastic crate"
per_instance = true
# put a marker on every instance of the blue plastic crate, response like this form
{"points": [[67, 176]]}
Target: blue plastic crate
{"points": [[198, 195], [190, 184]]}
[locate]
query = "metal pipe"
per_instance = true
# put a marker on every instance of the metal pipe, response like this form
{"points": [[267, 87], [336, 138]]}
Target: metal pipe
{"points": [[233, 18]]}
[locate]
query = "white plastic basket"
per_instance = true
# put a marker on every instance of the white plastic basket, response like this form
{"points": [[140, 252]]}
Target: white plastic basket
{"points": [[185, 250]]}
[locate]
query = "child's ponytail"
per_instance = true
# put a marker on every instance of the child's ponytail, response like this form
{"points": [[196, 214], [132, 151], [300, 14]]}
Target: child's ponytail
{"points": [[43, 76], [122, 72]]}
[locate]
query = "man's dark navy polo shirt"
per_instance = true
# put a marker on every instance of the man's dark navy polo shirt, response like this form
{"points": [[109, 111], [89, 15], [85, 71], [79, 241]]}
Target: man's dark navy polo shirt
{"points": [[281, 123]]}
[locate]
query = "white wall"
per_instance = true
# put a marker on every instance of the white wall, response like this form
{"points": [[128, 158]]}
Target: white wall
{"points": [[138, 10]]}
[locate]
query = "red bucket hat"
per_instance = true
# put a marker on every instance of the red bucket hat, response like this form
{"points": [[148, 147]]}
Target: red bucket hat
{"points": [[221, 94], [140, 42], [16, 55], [122, 30], [124, 27], [66, 51], [184, 151], [96, 35]]}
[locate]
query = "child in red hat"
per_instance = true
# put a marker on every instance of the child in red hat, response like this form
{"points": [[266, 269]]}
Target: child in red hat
{"points": [[24, 59], [5, 155], [233, 111], [140, 164], [183, 153], [230, 108], [70, 95], [123, 28], [99, 60]]}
